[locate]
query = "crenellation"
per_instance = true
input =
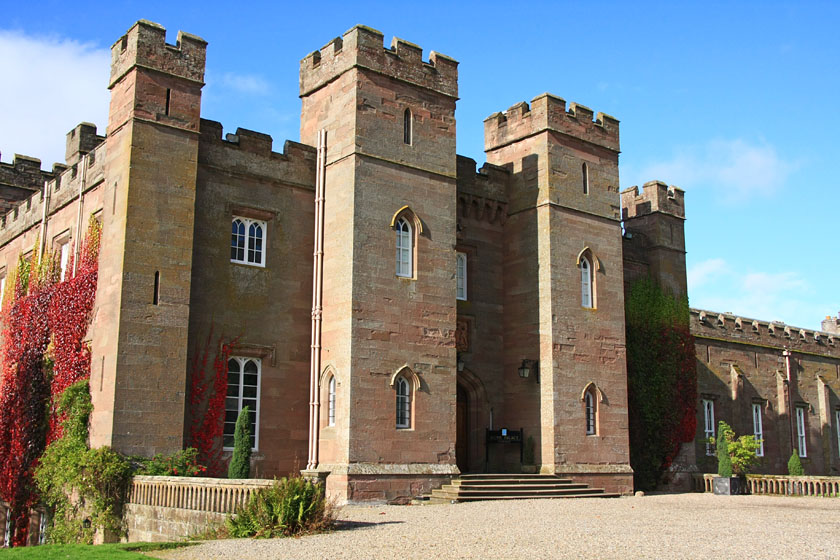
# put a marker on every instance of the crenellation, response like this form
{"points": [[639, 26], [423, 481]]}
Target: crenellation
{"points": [[363, 47], [80, 141], [548, 112], [63, 187], [145, 45], [488, 182], [762, 333], [656, 196]]}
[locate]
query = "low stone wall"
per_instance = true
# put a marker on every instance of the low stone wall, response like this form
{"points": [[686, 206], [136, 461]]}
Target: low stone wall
{"points": [[825, 486], [166, 508]]}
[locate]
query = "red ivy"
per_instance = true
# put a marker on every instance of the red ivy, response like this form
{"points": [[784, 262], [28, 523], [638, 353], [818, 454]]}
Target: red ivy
{"points": [[207, 403], [40, 311]]}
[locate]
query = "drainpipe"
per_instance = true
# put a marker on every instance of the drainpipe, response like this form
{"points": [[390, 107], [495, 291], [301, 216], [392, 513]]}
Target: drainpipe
{"points": [[317, 308], [786, 354], [45, 212], [77, 241]]}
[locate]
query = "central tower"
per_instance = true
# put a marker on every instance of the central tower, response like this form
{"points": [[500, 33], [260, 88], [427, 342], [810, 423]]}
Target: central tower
{"points": [[388, 359]]}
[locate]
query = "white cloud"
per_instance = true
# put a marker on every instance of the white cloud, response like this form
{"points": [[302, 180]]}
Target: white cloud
{"points": [[784, 296], [737, 169], [52, 85], [702, 272], [244, 83]]}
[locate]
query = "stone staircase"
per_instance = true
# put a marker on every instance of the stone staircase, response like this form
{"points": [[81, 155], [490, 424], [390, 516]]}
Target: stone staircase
{"points": [[475, 487]]}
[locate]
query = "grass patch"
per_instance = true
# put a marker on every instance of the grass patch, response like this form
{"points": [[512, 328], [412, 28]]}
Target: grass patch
{"points": [[125, 551]]}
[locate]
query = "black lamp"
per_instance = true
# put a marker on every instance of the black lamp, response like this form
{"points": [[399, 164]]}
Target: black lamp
{"points": [[526, 367]]}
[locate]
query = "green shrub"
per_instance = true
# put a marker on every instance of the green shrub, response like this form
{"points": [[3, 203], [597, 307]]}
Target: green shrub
{"points": [[182, 463], [96, 478], [722, 445], [735, 456], [290, 506], [240, 462], [795, 465]]}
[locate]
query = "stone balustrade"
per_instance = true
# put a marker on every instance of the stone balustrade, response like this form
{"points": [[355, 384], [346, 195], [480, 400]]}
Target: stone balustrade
{"points": [[783, 485], [216, 495]]}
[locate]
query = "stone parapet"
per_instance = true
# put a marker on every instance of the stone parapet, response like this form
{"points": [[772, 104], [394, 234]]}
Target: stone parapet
{"points": [[656, 196], [363, 47], [548, 112]]}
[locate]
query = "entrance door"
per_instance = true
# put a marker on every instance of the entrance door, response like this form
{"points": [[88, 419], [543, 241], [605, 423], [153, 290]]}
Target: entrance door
{"points": [[462, 431]]}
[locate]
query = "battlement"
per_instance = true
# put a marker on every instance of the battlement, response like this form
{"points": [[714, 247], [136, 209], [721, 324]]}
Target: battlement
{"points": [[831, 324], [145, 45], [727, 326], [80, 141], [489, 182], [656, 197], [548, 112], [248, 152], [363, 47]]}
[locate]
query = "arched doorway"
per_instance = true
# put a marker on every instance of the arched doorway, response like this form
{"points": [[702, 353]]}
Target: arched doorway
{"points": [[462, 433]]}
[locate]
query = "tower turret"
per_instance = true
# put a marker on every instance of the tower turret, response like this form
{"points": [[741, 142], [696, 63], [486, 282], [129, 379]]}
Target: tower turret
{"points": [[139, 352]]}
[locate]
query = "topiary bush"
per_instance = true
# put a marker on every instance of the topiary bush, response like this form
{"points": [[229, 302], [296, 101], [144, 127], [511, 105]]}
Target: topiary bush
{"points": [[795, 465], [291, 506], [240, 462], [722, 447]]}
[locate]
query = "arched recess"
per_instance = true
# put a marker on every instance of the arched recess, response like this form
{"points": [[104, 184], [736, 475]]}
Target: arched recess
{"points": [[590, 255], [591, 386], [407, 213], [409, 375], [325, 374], [477, 417]]}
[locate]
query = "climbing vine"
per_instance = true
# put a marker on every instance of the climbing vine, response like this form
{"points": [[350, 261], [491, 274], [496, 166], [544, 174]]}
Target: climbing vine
{"points": [[661, 380], [208, 390], [43, 352]]}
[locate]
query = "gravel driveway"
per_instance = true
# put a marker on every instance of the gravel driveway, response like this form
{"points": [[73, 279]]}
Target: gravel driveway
{"points": [[654, 526]]}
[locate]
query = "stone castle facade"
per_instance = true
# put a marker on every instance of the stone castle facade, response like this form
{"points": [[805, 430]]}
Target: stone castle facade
{"points": [[388, 298]]}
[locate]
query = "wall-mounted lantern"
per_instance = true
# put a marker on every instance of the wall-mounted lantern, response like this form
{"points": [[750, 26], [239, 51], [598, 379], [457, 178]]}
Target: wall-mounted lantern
{"points": [[527, 367]]}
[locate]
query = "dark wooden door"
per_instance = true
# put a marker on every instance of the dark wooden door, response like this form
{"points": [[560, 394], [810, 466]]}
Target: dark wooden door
{"points": [[462, 431]]}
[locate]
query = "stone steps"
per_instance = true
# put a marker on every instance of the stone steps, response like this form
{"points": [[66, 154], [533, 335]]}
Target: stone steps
{"points": [[475, 487]]}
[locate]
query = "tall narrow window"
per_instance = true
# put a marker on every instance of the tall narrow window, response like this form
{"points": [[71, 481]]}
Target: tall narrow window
{"points": [[168, 100], [43, 523], [63, 259], [585, 173], [405, 248], [407, 125], [2, 288], [585, 283], [7, 532], [461, 276], [403, 403], [331, 402], [589, 402], [247, 241], [709, 424], [156, 292], [800, 431], [758, 430], [837, 428], [243, 389]]}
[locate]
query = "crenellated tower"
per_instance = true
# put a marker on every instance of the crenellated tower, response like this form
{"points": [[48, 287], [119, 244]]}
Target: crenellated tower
{"points": [[654, 223], [390, 171], [139, 352], [564, 299]]}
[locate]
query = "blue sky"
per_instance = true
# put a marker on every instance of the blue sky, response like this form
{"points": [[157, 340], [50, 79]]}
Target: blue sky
{"points": [[734, 102]]}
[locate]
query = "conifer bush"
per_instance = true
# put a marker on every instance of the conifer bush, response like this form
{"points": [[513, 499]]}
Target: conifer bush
{"points": [[795, 465], [722, 445], [291, 506], [240, 462]]}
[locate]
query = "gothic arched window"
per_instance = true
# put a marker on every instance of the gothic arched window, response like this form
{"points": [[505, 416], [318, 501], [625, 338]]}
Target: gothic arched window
{"points": [[590, 410], [407, 127], [331, 402], [403, 388], [586, 295], [405, 249]]}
